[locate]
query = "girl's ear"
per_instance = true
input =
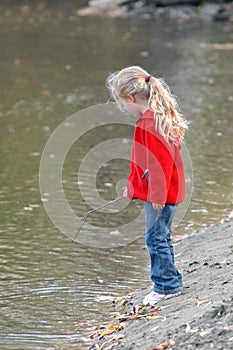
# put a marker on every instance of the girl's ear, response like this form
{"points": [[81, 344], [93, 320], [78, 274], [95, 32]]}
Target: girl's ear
{"points": [[131, 98]]}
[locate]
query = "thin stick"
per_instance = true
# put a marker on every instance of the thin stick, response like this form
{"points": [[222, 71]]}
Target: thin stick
{"points": [[92, 211], [80, 228], [105, 205]]}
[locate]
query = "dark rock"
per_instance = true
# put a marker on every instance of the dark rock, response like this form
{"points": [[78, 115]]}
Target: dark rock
{"points": [[167, 3], [161, 3], [224, 13]]}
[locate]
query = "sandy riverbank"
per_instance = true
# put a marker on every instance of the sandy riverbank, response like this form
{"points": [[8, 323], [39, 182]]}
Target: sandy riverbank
{"points": [[201, 318]]}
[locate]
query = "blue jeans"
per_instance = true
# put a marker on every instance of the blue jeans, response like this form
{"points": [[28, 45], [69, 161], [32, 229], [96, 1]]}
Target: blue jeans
{"points": [[164, 274]]}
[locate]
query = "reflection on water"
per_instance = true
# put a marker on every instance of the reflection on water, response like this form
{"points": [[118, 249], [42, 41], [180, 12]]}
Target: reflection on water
{"points": [[53, 64]]}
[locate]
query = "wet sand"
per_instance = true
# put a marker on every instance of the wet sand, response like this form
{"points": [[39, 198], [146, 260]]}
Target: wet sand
{"points": [[200, 318]]}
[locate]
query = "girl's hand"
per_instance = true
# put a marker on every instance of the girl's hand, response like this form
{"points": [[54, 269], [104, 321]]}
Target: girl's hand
{"points": [[158, 206], [125, 193]]}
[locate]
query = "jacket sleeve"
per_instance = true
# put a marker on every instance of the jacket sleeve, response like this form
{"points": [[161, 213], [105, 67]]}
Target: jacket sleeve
{"points": [[160, 160]]}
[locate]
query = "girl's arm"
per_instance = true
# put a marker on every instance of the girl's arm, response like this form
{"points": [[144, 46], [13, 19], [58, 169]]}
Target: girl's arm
{"points": [[160, 161]]}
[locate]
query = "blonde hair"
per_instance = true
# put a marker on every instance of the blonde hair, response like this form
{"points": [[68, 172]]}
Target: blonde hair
{"points": [[170, 123]]}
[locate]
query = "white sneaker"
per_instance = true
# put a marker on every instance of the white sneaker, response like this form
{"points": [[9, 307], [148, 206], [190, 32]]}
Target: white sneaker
{"points": [[153, 298]]}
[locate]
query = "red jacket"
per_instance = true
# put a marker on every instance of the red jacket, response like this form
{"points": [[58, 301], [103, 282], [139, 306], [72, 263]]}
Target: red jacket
{"points": [[156, 167]]}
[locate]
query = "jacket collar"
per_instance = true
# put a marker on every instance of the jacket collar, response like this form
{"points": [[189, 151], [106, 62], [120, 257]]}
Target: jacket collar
{"points": [[148, 114]]}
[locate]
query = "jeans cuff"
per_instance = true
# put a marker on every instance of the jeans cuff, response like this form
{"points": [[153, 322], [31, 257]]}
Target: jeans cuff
{"points": [[169, 291]]}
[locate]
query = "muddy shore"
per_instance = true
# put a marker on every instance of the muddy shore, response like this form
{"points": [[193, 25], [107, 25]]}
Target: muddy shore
{"points": [[181, 11], [200, 318]]}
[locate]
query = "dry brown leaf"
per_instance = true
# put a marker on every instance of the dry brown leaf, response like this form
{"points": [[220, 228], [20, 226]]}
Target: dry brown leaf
{"points": [[136, 308], [134, 315], [201, 302], [154, 310], [152, 318], [95, 335], [112, 328], [123, 318], [166, 345], [123, 300]]}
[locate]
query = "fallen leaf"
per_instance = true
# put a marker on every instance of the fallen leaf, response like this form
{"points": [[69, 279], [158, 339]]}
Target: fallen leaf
{"points": [[122, 301], [95, 335], [134, 315], [201, 302], [154, 310], [166, 345], [152, 318], [122, 318], [205, 333], [137, 308], [112, 328], [126, 317]]}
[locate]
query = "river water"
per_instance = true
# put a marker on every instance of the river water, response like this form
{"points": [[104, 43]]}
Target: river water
{"points": [[54, 64]]}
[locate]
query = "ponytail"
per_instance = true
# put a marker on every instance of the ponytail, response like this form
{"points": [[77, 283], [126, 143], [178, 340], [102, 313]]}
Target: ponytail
{"points": [[169, 122]]}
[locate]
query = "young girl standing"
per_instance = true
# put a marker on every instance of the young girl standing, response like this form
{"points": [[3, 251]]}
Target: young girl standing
{"points": [[156, 168]]}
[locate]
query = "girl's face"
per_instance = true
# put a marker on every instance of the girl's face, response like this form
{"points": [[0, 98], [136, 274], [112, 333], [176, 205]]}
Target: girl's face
{"points": [[134, 105]]}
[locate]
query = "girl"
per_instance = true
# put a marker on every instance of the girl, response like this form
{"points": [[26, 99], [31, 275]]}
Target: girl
{"points": [[156, 168]]}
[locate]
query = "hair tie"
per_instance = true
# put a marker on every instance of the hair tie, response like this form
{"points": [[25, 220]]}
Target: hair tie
{"points": [[148, 78]]}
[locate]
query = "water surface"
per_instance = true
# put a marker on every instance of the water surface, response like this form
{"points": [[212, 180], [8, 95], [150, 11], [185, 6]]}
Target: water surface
{"points": [[53, 65]]}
